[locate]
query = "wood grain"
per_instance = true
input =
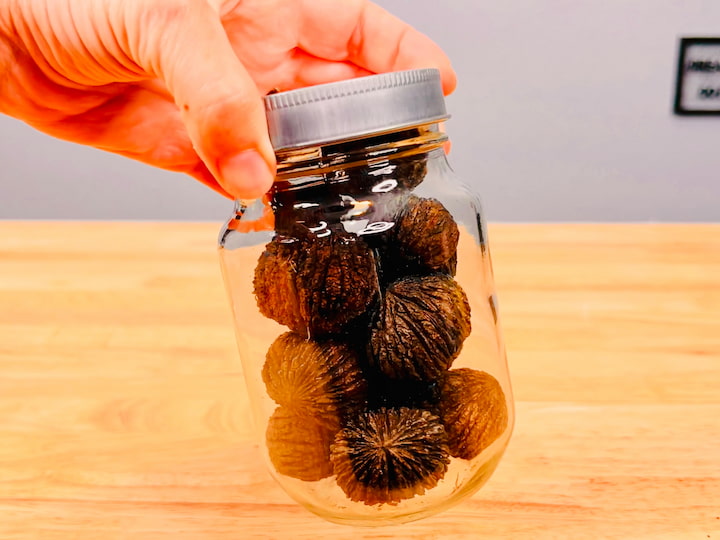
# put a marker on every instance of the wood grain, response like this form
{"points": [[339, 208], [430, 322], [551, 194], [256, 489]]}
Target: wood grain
{"points": [[123, 415]]}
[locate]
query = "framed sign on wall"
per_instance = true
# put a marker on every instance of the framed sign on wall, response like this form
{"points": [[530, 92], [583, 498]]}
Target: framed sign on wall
{"points": [[697, 91]]}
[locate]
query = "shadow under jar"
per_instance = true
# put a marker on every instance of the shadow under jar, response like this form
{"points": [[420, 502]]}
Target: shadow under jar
{"points": [[365, 309]]}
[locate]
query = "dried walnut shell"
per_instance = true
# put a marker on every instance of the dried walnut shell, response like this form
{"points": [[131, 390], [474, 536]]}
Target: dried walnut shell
{"points": [[410, 171], [474, 411], [420, 327], [337, 282], [389, 455], [427, 234], [318, 285], [274, 283], [299, 446], [320, 380]]}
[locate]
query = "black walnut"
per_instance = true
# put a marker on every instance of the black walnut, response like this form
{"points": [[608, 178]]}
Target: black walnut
{"points": [[388, 455], [410, 171], [426, 234], [299, 446], [274, 282], [474, 411], [318, 285], [420, 328], [320, 380]]}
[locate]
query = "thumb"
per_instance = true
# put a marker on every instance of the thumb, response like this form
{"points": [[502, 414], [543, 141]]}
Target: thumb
{"points": [[218, 100]]}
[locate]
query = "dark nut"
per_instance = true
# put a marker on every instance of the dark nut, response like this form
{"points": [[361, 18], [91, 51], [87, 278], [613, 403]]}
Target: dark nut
{"points": [[410, 171], [274, 283], [318, 285], [420, 328], [388, 455], [336, 282], [427, 235]]}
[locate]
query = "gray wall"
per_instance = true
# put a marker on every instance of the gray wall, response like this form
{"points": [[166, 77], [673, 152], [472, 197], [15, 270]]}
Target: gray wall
{"points": [[563, 113]]}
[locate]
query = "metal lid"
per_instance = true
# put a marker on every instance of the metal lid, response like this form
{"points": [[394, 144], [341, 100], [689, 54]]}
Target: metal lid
{"points": [[354, 108]]}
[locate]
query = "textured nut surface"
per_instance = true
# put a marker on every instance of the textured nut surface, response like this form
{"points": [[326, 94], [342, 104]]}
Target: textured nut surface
{"points": [[428, 235], [299, 446], [320, 380], [388, 455], [420, 327], [317, 285], [336, 282], [473, 409], [410, 171], [274, 283]]}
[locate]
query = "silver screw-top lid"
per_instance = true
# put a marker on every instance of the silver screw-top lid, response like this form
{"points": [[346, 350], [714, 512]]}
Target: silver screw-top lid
{"points": [[354, 108]]}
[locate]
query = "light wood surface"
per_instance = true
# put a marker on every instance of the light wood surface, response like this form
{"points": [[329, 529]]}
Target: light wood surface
{"points": [[123, 414]]}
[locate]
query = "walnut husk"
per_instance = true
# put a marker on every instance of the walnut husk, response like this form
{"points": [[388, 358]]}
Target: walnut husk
{"points": [[318, 380], [473, 409], [410, 171], [299, 446], [274, 283], [389, 455], [317, 285], [420, 327], [427, 235]]}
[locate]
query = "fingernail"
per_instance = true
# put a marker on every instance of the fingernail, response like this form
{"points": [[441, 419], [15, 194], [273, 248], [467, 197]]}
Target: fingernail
{"points": [[246, 175]]}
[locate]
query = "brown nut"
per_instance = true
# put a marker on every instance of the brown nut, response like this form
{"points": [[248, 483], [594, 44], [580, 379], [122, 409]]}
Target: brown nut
{"points": [[299, 446], [420, 328], [388, 455], [427, 235], [410, 171], [320, 380], [473, 410], [318, 285], [336, 282], [274, 283]]}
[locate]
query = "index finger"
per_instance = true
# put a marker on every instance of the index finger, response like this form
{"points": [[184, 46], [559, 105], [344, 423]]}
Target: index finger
{"points": [[365, 34]]}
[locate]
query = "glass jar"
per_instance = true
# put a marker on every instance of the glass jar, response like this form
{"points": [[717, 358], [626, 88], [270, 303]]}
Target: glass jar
{"points": [[364, 306]]}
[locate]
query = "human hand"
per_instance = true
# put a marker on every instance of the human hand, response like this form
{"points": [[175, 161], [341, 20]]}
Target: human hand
{"points": [[178, 83]]}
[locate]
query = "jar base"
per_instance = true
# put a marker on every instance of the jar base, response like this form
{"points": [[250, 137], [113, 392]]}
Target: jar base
{"points": [[382, 519]]}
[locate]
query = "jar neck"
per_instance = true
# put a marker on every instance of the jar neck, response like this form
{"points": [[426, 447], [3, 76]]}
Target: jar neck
{"points": [[351, 186], [309, 164]]}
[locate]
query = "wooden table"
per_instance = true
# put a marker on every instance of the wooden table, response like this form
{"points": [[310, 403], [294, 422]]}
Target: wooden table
{"points": [[123, 415]]}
